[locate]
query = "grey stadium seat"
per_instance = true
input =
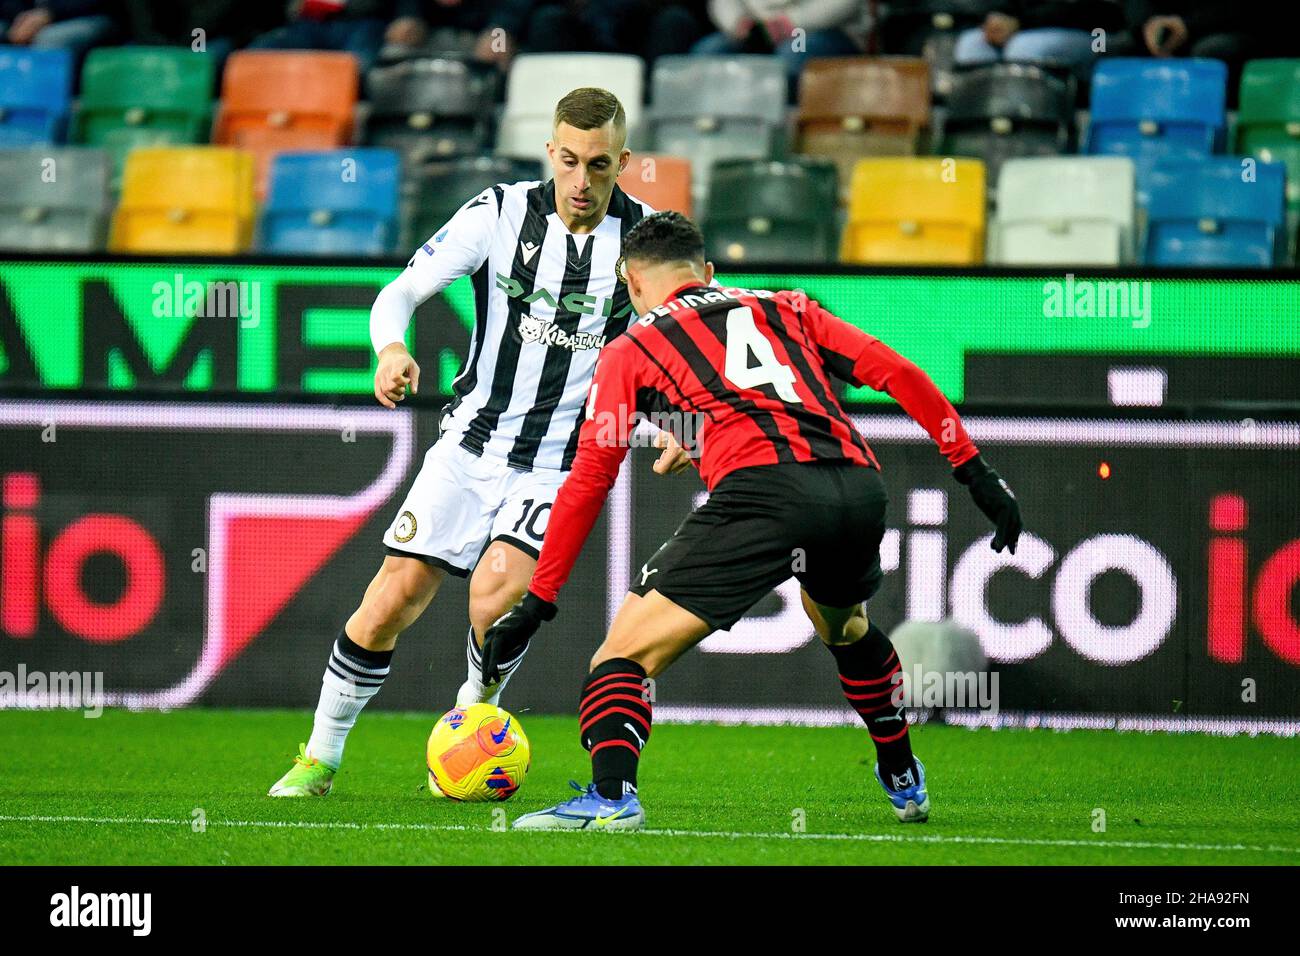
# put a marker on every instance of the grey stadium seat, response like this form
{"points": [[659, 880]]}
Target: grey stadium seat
{"points": [[707, 108], [55, 199]]}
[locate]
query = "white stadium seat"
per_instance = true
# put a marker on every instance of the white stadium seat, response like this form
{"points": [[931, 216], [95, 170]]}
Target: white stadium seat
{"points": [[539, 80], [1076, 210]]}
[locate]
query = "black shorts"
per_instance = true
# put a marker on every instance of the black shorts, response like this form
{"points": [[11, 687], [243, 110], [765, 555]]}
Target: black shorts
{"points": [[820, 522]]}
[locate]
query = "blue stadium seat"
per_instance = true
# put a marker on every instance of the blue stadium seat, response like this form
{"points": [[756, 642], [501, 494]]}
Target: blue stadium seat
{"points": [[340, 202], [1157, 111], [35, 95], [1213, 213]]}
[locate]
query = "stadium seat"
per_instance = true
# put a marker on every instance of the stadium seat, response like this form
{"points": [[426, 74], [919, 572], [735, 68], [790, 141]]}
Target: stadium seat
{"points": [[143, 96], [1209, 213], [1268, 120], [429, 107], [539, 80], [1006, 110], [857, 106], [185, 199], [772, 211], [286, 100], [342, 202], [940, 50], [918, 210], [708, 108], [662, 181], [1068, 210], [1157, 111], [54, 200], [432, 193], [35, 90]]}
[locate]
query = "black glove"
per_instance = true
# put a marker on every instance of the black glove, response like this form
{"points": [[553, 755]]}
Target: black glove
{"points": [[994, 498], [507, 638]]}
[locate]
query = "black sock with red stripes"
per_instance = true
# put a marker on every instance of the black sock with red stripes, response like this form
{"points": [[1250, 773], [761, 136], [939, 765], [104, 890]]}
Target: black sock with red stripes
{"points": [[867, 668], [614, 721]]}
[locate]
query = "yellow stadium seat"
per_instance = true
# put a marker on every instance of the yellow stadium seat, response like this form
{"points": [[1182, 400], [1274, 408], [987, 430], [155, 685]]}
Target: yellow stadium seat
{"points": [[916, 210], [196, 199]]}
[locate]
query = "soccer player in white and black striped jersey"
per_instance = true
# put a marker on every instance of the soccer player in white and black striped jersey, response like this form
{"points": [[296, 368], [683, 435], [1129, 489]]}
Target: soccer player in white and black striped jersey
{"points": [[542, 256]]}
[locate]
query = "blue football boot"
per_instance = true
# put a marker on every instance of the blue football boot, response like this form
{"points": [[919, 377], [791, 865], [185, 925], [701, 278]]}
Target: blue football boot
{"points": [[587, 811], [907, 793]]}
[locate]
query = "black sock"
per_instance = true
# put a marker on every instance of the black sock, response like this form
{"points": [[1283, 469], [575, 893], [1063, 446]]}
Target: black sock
{"points": [[614, 720], [474, 654], [867, 668], [348, 651]]}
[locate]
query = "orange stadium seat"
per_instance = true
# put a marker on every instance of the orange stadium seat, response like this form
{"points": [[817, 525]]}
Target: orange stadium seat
{"points": [[273, 101], [194, 199], [662, 181], [856, 106], [916, 210]]}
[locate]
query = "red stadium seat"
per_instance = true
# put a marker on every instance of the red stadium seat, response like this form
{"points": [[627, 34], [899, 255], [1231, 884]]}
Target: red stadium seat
{"points": [[273, 101], [662, 181]]}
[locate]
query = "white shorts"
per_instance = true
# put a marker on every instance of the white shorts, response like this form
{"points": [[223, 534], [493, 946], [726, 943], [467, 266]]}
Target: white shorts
{"points": [[461, 502]]}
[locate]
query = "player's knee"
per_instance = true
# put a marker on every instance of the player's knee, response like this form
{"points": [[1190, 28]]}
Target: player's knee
{"points": [[843, 628]]}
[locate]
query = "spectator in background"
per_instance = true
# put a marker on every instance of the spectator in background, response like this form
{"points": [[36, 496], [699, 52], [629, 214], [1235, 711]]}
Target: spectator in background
{"points": [[351, 26], [440, 26], [1052, 32], [1232, 32], [907, 24], [226, 25], [645, 28], [75, 25], [795, 30]]}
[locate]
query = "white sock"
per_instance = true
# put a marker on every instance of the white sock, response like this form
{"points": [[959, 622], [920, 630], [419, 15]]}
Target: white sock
{"points": [[352, 676], [474, 691]]}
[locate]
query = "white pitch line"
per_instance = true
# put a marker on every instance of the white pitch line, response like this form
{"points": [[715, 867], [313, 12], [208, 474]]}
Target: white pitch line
{"points": [[711, 834]]}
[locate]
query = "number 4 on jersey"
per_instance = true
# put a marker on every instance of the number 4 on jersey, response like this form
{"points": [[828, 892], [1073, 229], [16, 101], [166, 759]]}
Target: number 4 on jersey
{"points": [[744, 338]]}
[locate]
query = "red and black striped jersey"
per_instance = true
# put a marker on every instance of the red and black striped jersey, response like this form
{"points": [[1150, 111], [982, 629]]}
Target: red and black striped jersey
{"points": [[743, 378]]}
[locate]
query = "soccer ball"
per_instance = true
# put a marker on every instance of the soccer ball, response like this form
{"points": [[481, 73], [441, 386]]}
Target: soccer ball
{"points": [[477, 753]]}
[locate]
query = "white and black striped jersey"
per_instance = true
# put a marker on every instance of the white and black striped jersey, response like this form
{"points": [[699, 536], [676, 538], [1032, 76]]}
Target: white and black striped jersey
{"points": [[546, 300]]}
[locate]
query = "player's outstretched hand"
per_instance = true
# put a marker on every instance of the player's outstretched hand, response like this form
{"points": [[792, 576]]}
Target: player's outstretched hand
{"points": [[507, 638], [674, 458], [995, 498], [396, 371]]}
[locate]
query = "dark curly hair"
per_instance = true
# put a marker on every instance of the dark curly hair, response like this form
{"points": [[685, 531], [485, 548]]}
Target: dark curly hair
{"points": [[664, 237]]}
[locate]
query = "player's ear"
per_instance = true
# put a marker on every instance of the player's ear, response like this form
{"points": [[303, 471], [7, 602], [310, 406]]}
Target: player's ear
{"points": [[708, 273], [624, 158]]}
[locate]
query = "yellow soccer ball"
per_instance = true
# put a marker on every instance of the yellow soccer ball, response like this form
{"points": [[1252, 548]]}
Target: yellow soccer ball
{"points": [[477, 753]]}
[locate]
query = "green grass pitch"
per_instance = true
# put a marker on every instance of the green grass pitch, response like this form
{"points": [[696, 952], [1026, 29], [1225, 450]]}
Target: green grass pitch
{"points": [[126, 789]]}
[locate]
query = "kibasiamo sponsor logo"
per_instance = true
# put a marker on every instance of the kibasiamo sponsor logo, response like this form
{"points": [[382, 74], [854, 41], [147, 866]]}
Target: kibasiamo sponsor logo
{"points": [[1247, 592]]}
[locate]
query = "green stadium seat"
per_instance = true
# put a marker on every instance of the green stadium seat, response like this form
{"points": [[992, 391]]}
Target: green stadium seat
{"points": [[762, 211], [433, 192], [143, 96], [1268, 121]]}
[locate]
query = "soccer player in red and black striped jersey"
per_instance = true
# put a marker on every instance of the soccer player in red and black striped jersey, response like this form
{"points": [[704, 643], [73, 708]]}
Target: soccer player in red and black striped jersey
{"points": [[794, 491]]}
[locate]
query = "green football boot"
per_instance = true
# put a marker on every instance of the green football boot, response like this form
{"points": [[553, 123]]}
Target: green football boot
{"points": [[308, 777]]}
